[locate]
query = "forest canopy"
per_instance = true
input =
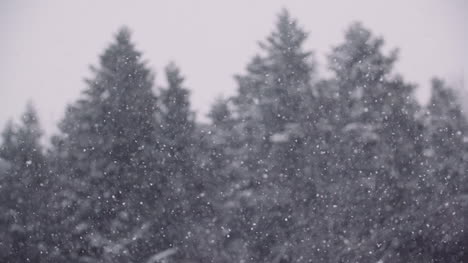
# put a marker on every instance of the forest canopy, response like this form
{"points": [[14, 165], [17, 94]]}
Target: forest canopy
{"points": [[294, 167]]}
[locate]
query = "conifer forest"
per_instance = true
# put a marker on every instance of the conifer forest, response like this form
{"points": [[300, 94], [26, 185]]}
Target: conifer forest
{"points": [[296, 166]]}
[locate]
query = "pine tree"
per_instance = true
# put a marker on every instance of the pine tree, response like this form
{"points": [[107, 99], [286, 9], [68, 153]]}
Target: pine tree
{"points": [[447, 130], [377, 148], [178, 123], [276, 81], [109, 156], [268, 113], [447, 154], [22, 191], [274, 91], [223, 139], [187, 184], [220, 153]]}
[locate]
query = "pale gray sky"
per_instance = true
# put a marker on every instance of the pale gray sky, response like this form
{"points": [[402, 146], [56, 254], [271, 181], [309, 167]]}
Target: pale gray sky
{"points": [[47, 46]]}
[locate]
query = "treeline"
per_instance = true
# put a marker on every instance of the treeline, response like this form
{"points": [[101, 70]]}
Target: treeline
{"points": [[293, 168]]}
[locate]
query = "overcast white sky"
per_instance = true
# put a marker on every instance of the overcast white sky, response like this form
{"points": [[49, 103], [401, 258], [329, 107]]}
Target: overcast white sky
{"points": [[47, 46]]}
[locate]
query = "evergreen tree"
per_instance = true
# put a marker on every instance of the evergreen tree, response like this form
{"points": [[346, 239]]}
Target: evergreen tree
{"points": [[268, 111], [187, 190], [447, 130], [382, 176], [109, 154], [23, 191], [223, 141], [274, 92], [447, 154], [291, 168], [178, 124], [221, 156]]}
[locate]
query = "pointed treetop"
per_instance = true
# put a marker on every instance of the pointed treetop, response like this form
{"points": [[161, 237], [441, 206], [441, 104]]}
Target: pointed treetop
{"points": [[220, 111], [175, 97], [283, 54], [439, 90], [443, 99], [8, 140], [22, 142], [178, 119], [277, 81], [173, 75], [30, 114], [361, 55], [288, 36], [123, 34], [121, 54], [30, 121]]}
